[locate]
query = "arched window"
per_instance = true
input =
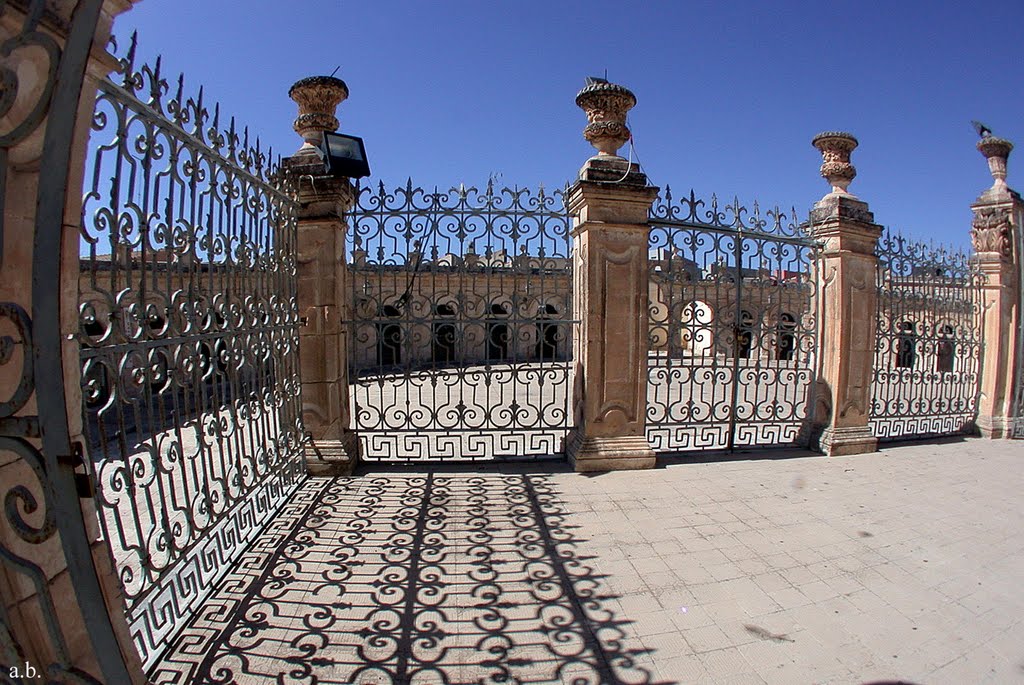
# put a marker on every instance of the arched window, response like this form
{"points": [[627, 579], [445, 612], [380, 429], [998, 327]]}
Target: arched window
{"points": [[906, 346], [548, 333], [443, 335], [945, 350], [389, 337], [787, 337], [497, 334], [696, 329]]}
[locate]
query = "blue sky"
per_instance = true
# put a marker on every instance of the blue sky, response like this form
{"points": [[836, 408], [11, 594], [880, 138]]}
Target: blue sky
{"points": [[730, 94]]}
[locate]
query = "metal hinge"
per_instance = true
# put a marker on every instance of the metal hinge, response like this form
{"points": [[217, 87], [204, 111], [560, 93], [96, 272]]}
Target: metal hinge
{"points": [[83, 478]]}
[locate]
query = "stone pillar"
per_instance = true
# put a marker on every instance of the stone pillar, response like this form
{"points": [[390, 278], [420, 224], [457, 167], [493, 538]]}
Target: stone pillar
{"points": [[847, 302], [610, 204], [998, 212], [323, 300]]}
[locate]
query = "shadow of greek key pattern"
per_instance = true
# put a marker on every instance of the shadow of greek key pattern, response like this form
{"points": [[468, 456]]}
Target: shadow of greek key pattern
{"points": [[409, 578]]}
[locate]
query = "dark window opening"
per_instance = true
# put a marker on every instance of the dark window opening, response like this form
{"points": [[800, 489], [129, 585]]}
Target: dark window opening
{"points": [[389, 338], [787, 338], [906, 346], [548, 334], [945, 350]]}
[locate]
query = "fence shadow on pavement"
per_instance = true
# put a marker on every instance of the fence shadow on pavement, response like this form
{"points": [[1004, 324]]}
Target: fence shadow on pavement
{"points": [[396, 578]]}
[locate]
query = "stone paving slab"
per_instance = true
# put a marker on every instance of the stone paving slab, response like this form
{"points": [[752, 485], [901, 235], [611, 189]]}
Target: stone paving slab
{"points": [[907, 564]]}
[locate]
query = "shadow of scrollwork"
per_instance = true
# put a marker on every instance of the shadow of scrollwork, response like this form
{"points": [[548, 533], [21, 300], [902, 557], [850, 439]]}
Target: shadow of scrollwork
{"points": [[412, 578]]}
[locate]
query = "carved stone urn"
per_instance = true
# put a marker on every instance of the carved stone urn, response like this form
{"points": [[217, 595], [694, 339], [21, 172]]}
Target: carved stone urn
{"points": [[835, 147], [606, 105], [996, 151], [318, 98]]}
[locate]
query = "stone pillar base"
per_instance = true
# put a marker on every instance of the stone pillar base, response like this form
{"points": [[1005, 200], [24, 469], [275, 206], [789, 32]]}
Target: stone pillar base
{"points": [[995, 427], [622, 453], [837, 442], [332, 457]]}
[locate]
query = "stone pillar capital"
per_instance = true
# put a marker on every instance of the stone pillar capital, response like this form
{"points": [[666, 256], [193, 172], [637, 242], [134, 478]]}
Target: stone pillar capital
{"points": [[602, 202], [992, 232], [320, 196]]}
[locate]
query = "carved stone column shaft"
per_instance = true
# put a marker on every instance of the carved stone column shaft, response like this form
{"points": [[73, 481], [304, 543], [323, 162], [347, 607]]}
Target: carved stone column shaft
{"points": [[322, 277], [847, 302], [998, 213], [611, 294]]}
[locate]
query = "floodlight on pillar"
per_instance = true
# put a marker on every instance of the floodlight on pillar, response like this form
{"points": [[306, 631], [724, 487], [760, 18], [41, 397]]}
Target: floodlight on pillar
{"points": [[343, 155]]}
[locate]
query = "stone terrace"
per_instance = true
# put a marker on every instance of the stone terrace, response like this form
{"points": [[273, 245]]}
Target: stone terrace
{"points": [[900, 565]]}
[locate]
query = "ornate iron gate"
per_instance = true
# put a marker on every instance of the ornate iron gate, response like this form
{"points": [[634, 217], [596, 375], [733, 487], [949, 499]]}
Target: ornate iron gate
{"points": [[188, 333], [928, 345], [46, 48], [461, 318], [733, 330]]}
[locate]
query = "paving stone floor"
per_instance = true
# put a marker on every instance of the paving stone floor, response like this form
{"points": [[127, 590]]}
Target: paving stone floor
{"points": [[904, 565]]}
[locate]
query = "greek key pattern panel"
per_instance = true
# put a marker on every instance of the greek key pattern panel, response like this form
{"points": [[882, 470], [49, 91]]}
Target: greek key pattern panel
{"points": [[926, 375], [411, 579], [189, 345], [461, 322], [733, 330]]}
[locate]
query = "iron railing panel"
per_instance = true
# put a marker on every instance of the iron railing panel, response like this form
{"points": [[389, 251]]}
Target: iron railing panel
{"points": [[928, 344], [189, 343], [733, 328], [461, 323]]}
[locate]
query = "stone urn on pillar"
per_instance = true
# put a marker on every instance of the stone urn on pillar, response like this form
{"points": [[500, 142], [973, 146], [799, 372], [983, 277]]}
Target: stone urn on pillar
{"points": [[318, 98], [835, 147], [996, 151], [606, 105]]}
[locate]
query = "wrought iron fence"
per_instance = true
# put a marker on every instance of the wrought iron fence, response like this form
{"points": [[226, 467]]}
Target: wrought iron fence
{"points": [[188, 334], [461, 321], [928, 343], [733, 330]]}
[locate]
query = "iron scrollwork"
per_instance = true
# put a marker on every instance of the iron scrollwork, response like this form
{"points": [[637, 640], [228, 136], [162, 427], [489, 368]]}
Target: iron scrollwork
{"points": [[188, 328], [733, 330], [461, 322], [928, 342]]}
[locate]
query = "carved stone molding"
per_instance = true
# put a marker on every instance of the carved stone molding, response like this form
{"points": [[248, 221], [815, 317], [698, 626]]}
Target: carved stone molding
{"points": [[990, 231]]}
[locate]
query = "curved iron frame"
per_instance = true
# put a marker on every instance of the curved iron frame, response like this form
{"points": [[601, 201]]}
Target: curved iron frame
{"points": [[56, 462]]}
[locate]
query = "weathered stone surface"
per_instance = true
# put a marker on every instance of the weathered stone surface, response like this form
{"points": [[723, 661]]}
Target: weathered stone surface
{"points": [[998, 212], [847, 302], [610, 234]]}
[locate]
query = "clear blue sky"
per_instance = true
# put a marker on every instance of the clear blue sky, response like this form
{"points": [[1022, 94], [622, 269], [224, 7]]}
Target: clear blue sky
{"points": [[730, 93]]}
